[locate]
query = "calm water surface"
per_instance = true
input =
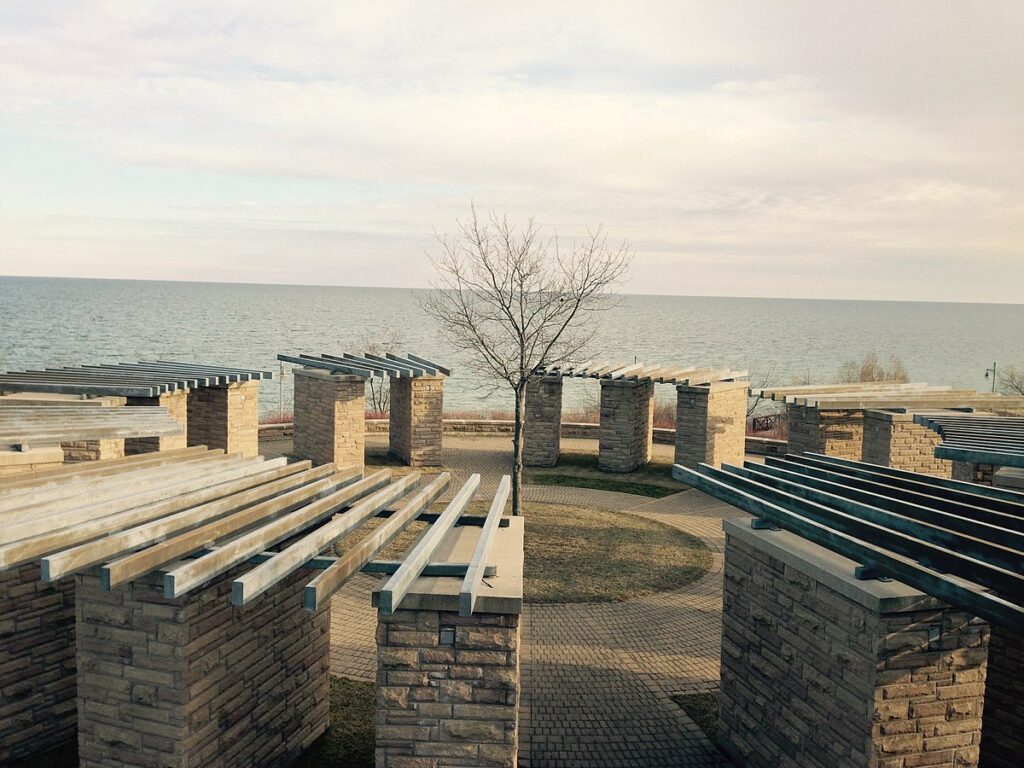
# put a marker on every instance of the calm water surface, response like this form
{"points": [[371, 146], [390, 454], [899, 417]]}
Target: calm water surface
{"points": [[52, 322]]}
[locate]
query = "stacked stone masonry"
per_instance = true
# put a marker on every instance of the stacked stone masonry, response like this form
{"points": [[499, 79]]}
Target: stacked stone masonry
{"points": [[894, 440], [542, 430], [815, 679], [969, 472], [835, 433], [417, 408], [626, 439], [92, 450], [37, 663], [447, 690], [330, 418], [1002, 738], [711, 424], [176, 404], [194, 681], [225, 417]]}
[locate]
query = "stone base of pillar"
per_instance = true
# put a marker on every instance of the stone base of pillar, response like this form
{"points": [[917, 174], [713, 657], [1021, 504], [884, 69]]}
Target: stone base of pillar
{"points": [[225, 417], [711, 424], [1002, 739], [330, 418], [626, 434], [195, 681], [542, 440], [415, 427], [37, 663], [92, 450], [821, 669], [176, 404], [894, 440], [834, 433], [968, 472]]}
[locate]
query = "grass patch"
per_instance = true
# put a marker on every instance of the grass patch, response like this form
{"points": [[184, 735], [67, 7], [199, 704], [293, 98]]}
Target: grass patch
{"points": [[349, 741], [702, 709], [576, 555], [579, 470]]}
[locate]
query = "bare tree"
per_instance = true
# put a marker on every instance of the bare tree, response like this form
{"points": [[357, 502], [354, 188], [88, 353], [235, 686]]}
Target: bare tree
{"points": [[517, 301], [870, 369], [1011, 381], [380, 389]]}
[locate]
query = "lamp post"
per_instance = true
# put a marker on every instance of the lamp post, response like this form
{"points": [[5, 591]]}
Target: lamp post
{"points": [[992, 370]]}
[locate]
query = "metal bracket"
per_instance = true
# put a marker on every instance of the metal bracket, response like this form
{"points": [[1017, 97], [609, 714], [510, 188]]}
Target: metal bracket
{"points": [[868, 573]]}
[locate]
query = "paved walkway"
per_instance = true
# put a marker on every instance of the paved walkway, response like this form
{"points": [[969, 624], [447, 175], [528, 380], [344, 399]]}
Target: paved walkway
{"points": [[596, 677]]}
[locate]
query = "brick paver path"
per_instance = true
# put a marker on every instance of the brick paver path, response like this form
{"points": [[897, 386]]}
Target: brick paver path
{"points": [[596, 677]]}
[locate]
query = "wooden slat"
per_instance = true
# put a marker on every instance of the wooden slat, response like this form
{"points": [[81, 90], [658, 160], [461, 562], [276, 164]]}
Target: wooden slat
{"points": [[393, 592], [318, 592], [261, 578], [43, 477], [481, 555]]}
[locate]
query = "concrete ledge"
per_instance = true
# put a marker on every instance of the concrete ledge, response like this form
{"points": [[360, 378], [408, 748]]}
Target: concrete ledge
{"points": [[832, 570], [1009, 477]]}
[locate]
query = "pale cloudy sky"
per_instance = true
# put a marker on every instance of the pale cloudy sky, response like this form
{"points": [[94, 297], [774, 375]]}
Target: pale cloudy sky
{"points": [[819, 149]]}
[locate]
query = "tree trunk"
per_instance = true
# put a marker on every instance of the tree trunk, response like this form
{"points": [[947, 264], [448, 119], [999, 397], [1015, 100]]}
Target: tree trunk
{"points": [[517, 449]]}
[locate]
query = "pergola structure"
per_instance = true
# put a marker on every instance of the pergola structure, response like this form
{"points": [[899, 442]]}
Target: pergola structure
{"points": [[710, 416], [977, 438], [199, 581], [330, 406], [831, 540], [829, 418], [217, 406]]}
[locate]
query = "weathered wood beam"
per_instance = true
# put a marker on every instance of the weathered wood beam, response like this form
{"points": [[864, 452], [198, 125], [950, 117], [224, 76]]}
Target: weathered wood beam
{"points": [[473, 580]]}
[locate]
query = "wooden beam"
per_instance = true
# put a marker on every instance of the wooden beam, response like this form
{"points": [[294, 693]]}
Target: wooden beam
{"points": [[106, 467], [318, 592], [392, 593], [481, 555]]}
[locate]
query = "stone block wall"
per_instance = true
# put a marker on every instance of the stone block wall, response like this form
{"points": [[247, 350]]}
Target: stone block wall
{"points": [[330, 418], [820, 670], [92, 450], [969, 472], [542, 428], [447, 690], [195, 681], [226, 417], [894, 440], [834, 433], [627, 418], [416, 427], [37, 663], [23, 462], [711, 423], [176, 404], [1002, 738]]}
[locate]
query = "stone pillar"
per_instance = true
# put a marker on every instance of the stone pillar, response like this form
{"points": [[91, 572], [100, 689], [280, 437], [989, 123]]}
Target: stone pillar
{"points": [[448, 689], [194, 681], [415, 424], [834, 433], [711, 423], [627, 422], [330, 418], [16, 462], [225, 416], [1002, 739], [542, 428], [176, 404], [37, 663], [820, 669], [894, 440], [93, 450], [969, 472]]}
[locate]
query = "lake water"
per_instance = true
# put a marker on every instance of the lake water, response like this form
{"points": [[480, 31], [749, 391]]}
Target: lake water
{"points": [[48, 322]]}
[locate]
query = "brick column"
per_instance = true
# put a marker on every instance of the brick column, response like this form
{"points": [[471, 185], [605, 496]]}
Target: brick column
{"points": [[415, 426], [330, 418], [194, 681], [37, 663], [1002, 738], [834, 433], [969, 472], [176, 404], [448, 689], [820, 669], [711, 423], [225, 416], [894, 440], [627, 420], [542, 439]]}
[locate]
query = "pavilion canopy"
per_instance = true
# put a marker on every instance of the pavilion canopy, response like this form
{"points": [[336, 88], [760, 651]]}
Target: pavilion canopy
{"points": [[958, 542], [855, 396], [370, 365], [143, 379], [977, 438], [667, 374]]}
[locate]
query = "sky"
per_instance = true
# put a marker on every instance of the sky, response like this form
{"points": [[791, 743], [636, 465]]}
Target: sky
{"points": [[801, 149]]}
